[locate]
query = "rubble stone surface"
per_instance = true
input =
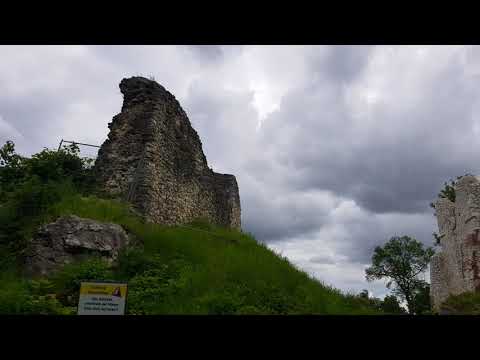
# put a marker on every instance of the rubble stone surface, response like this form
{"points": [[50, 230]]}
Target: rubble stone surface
{"points": [[455, 268], [153, 158]]}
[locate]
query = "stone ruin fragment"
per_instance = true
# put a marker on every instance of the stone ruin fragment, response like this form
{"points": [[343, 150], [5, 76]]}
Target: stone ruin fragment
{"points": [[455, 268], [153, 158]]}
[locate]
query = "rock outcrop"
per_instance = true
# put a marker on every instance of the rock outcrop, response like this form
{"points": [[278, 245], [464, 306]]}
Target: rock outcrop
{"points": [[456, 268], [71, 238], [153, 158]]}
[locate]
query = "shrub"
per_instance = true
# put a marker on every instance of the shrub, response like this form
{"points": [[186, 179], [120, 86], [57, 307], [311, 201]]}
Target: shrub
{"points": [[30, 186], [152, 288], [464, 304], [13, 295], [67, 280], [29, 297], [25, 210], [223, 303], [250, 310], [45, 166], [132, 261]]}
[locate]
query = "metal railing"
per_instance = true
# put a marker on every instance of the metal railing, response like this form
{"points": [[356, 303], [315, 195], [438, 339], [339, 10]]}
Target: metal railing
{"points": [[74, 143]]}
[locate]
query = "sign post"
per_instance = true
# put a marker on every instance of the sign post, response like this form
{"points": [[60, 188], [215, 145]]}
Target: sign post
{"points": [[102, 298]]}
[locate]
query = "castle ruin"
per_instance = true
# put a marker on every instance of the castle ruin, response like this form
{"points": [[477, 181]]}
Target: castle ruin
{"points": [[153, 159], [455, 269]]}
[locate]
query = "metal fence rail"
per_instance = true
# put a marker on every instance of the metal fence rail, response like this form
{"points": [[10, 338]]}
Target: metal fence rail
{"points": [[74, 143]]}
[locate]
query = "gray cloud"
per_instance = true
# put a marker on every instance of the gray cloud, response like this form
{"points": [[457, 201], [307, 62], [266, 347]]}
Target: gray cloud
{"points": [[207, 52], [390, 159], [345, 63], [322, 259]]}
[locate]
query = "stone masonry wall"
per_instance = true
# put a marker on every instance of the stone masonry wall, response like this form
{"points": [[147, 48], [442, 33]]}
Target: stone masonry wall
{"points": [[153, 158], [455, 269]]}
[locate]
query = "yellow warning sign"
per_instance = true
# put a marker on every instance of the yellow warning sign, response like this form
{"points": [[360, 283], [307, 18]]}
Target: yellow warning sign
{"points": [[102, 298], [103, 289]]}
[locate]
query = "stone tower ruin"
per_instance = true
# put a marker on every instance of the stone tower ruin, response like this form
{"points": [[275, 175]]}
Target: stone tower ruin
{"points": [[455, 269], [153, 158]]}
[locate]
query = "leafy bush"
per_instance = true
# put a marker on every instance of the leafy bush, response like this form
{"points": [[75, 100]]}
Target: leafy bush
{"points": [[13, 295], [250, 310], [25, 209], [223, 303], [45, 305], [464, 304], [390, 305], [29, 187], [29, 297], [133, 261], [277, 300], [67, 281], [45, 166], [151, 290]]}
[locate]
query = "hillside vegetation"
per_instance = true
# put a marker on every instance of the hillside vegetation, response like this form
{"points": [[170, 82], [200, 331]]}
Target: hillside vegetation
{"points": [[196, 269]]}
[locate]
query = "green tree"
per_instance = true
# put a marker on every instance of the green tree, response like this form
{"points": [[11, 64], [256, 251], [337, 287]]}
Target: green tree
{"points": [[364, 294], [390, 305], [372, 302], [43, 167], [11, 166], [421, 298], [29, 186], [8, 157], [401, 260]]}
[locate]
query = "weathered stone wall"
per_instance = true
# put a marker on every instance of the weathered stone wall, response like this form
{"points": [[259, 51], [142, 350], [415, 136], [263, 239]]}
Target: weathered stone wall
{"points": [[455, 269], [153, 158]]}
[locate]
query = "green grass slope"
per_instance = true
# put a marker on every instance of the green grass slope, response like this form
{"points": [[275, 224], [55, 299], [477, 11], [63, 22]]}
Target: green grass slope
{"points": [[197, 269]]}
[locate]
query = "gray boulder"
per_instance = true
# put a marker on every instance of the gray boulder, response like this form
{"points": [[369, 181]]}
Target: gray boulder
{"points": [[71, 238]]}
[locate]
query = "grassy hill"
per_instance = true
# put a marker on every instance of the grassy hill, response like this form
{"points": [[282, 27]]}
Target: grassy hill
{"points": [[196, 269]]}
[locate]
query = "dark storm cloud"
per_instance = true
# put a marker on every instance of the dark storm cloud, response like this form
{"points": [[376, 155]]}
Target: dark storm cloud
{"points": [[322, 259], [313, 144], [34, 116], [394, 161], [367, 233], [207, 52], [71, 92], [275, 217], [225, 121], [344, 63]]}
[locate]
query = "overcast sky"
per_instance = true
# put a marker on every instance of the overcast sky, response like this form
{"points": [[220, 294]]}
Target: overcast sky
{"points": [[335, 148]]}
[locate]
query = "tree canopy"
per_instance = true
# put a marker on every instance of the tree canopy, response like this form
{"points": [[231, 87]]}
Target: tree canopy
{"points": [[29, 185], [401, 260]]}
